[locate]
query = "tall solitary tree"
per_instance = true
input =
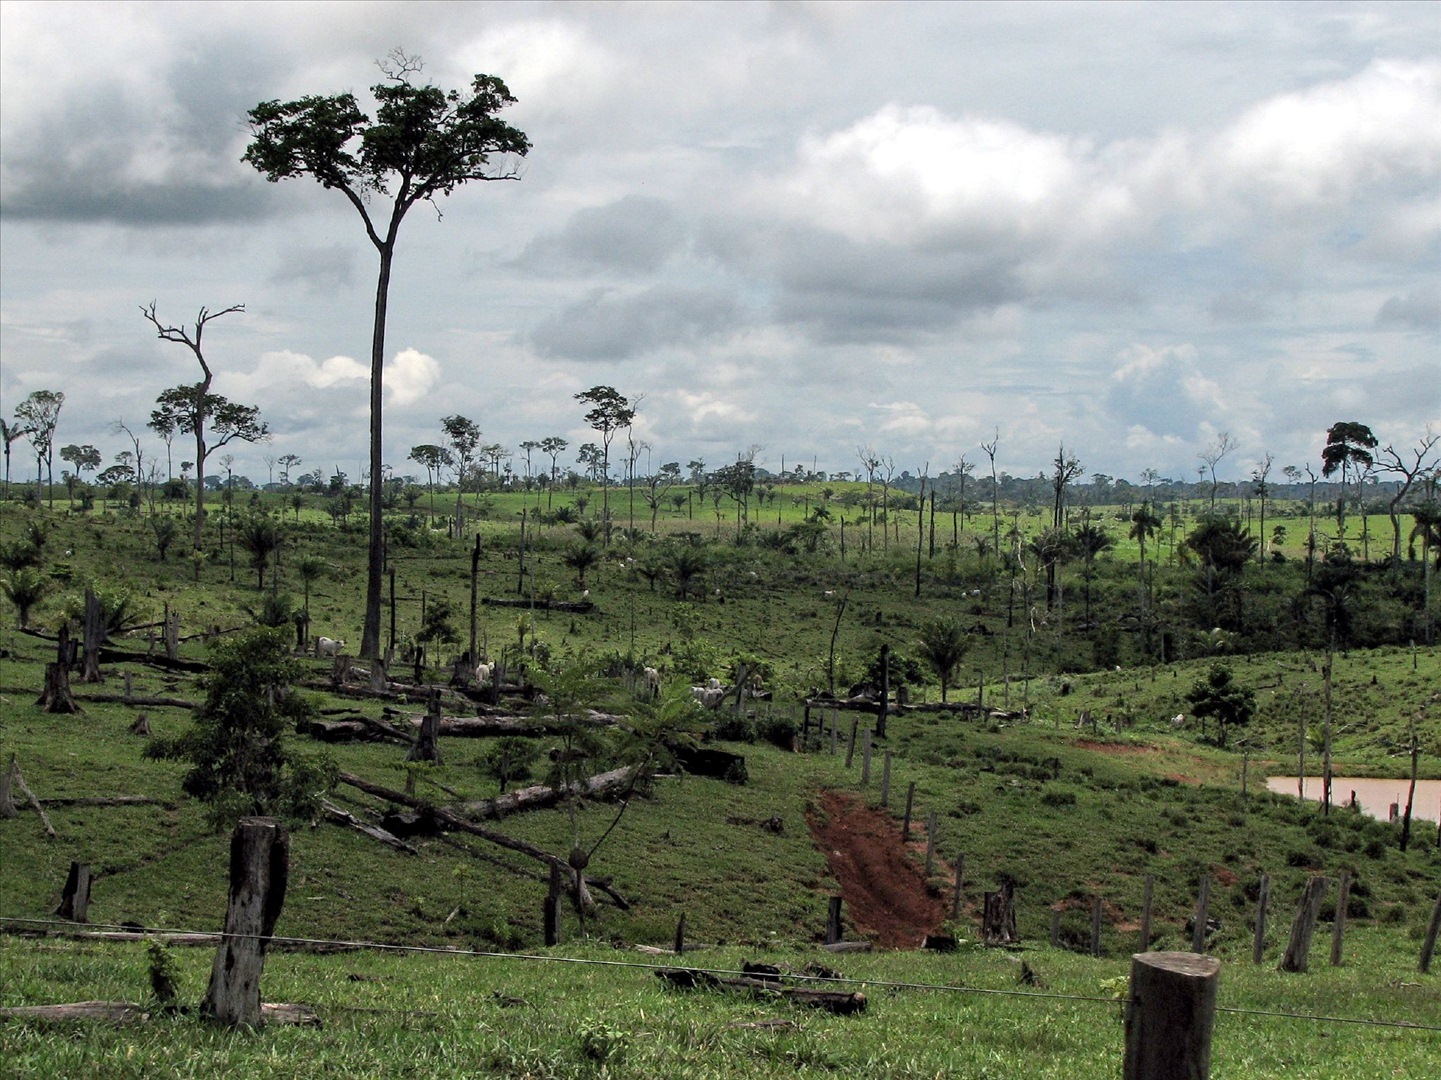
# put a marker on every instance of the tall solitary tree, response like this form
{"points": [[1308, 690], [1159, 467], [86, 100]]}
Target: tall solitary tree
{"points": [[422, 142], [39, 413], [1348, 447], [609, 413]]}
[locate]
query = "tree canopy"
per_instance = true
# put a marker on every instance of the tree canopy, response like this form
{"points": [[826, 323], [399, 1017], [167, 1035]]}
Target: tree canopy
{"points": [[421, 142]]}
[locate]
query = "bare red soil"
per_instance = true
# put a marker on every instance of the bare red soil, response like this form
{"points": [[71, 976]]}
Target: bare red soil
{"points": [[885, 890]]}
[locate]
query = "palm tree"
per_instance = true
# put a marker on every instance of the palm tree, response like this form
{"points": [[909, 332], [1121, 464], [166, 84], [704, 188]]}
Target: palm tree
{"points": [[943, 644], [580, 558], [1144, 525], [310, 568], [24, 587], [260, 535], [687, 564], [1090, 541]]}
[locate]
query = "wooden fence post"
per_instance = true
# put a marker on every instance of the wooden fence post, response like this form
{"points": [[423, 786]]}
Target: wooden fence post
{"points": [[1203, 906], [680, 935], [1263, 900], [1170, 1012], [1146, 912], [1298, 947], [833, 921], [259, 865], [1428, 946], [551, 908], [930, 842], [1096, 926], [1338, 927], [75, 900]]}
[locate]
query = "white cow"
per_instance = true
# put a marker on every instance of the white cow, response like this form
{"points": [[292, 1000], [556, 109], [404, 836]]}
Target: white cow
{"points": [[652, 682], [325, 646], [709, 696], [482, 673]]}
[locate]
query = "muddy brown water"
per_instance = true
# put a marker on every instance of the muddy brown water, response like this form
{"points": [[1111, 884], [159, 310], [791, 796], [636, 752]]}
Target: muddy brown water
{"points": [[1373, 796]]}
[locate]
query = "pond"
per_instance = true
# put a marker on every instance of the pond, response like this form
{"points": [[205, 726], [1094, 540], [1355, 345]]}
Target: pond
{"points": [[1373, 796]]}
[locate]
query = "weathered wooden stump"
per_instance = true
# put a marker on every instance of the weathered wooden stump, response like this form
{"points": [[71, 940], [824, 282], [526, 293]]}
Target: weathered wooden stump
{"points": [[94, 638], [1169, 1016], [75, 899], [427, 746], [998, 917], [1298, 948], [259, 865], [55, 696], [833, 921]]}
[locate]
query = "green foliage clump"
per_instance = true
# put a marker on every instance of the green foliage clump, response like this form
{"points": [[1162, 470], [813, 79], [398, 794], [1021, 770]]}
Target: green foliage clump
{"points": [[236, 745], [1220, 697]]}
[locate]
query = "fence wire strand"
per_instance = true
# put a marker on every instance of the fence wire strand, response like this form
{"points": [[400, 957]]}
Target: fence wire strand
{"points": [[71, 930]]}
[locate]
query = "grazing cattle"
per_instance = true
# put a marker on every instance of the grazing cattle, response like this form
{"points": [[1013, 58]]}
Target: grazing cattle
{"points": [[482, 673], [652, 681], [325, 646], [709, 696]]}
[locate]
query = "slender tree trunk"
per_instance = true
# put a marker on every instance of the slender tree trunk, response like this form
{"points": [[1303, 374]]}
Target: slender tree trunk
{"points": [[374, 571]]}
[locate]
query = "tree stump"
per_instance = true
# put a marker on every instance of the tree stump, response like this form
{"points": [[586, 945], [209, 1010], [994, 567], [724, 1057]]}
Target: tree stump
{"points": [[998, 918], [7, 796], [259, 865], [1169, 1016], [75, 900], [172, 634], [56, 696], [427, 746], [1298, 948], [94, 638], [833, 921]]}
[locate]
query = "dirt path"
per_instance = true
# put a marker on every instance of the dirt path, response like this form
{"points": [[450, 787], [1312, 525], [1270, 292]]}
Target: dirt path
{"points": [[884, 887]]}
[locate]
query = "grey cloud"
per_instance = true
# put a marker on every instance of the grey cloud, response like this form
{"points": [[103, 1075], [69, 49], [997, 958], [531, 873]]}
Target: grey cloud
{"points": [[103, 151], [634, 235], [607, 326], [319, 270], [842, 291], [1418, 310]]}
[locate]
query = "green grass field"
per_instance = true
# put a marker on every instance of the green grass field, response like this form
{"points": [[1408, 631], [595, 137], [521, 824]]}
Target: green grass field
{"points": [[1088, 794]]}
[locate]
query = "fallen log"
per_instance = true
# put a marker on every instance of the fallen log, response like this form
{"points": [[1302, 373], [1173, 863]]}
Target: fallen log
{"points": [[110, 800], [30, 797], [148, 702], [513, 724], [539, 795], [579, 607], [455, 821], [123, 1012], [375, 832], [834, 1001]]}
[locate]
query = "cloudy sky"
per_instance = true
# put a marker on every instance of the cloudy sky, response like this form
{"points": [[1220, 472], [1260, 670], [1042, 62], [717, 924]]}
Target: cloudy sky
{"points": [[804, 226]]}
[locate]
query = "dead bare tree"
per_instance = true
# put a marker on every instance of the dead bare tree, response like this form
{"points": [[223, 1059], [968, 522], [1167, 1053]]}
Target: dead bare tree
{"points": [[1390, 461], [181, 336]]}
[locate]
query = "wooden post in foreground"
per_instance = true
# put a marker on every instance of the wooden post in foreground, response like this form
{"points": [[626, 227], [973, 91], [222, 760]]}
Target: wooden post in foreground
{"points": [[1170, 1012], [680, 935], [1203, 912], [551, 908], [1298, 948], [833, 921], [259, 865], [75, 900], [1338, 927], [1263, 900], [1428, 947], [1146, 913]]}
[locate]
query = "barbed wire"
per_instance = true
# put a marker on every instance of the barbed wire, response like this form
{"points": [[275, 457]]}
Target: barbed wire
{"points": [[70, 929]]}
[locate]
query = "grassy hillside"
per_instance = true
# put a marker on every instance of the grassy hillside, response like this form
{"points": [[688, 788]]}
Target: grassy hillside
{"points": [[1087, 794]]}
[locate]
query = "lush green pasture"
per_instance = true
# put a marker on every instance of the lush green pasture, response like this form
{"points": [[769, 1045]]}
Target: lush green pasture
{"points": [[1085, 795], [962, 1014]]}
